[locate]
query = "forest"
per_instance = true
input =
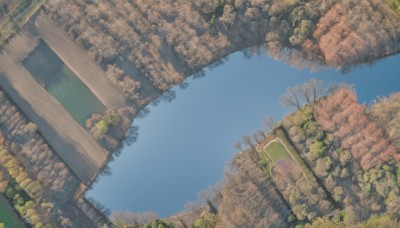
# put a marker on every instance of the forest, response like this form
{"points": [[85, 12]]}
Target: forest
{"points": [[137, 42], [350, 149], [33, 179]]}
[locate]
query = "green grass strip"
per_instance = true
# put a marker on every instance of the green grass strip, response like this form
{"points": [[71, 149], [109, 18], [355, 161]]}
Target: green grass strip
{"points": [[7, 215], [394, 5], [277, 151], [281, 135]]}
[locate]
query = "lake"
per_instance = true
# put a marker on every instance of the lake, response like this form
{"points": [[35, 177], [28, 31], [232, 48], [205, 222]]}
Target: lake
{"points": [[183, 146], [51, 72]]}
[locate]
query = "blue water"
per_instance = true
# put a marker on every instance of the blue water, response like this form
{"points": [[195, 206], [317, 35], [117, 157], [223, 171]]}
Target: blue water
{"points": [[184, 146]]}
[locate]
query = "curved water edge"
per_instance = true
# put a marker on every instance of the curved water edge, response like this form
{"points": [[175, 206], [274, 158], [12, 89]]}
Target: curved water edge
{"points": [[183, 146]]}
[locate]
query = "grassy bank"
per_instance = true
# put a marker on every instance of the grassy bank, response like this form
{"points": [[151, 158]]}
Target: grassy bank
{"points": [[7, 215], [394, 4]]}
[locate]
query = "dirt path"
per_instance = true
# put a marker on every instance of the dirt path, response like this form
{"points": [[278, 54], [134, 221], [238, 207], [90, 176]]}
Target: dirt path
{"points": [[75, 146], [79, 62]]}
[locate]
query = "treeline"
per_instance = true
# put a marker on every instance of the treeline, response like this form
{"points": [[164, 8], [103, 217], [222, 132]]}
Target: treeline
{"points": [[333, 165], [250, 197], [375, 221], [138, 42], [363, 186], [22, 190], [386, 113], [394, 5], [33, 151], [6, 6], [32, 166], [122, 218]]}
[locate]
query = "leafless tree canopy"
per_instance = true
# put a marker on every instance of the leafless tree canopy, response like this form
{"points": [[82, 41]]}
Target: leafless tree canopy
{"points": [[341, 115], [141, 37], [303, 94], [249, 197]]}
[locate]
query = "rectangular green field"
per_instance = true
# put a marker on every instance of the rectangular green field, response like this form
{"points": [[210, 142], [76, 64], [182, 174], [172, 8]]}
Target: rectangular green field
{"points": [[8, 216], [51, 72], [281, 135], [277, 151]]}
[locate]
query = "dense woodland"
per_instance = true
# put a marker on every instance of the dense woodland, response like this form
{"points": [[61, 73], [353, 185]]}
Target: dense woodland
{"points": [[386, 113], [248, 190], [33, 178], [351, 149], [144, 54]]}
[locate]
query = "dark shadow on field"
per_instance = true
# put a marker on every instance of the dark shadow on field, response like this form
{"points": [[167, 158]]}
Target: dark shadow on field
{"points": [[80, 163], [43, 63]]}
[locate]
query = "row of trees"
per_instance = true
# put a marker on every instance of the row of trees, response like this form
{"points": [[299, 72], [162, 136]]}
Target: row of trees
{"points": [[124, 29], [21, 190], [394, 5], [125, 83], [332, 164], [122, 218], [26, 207], [250, 197], [314, 130], [303, 94], [17, 172], [34, 165], [144, 35], [374, 221], [34, 153], [6, 6]]}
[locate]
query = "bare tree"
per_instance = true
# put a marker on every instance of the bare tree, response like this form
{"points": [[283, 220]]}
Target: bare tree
{"points": [[262, 134], [292, 98], [333, 87], [259, 136], [246, 140], [238, 146], [312, 90], [302, 94], [269, 124], [130, 218]]}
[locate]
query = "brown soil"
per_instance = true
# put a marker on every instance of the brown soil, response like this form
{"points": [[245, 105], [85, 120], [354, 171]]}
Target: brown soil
{"points": [[73, 144]]}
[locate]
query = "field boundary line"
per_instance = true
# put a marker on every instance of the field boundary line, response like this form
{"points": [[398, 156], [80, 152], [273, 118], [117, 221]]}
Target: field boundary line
{"points": [[284, 145], [274, 163], [278, 139]]}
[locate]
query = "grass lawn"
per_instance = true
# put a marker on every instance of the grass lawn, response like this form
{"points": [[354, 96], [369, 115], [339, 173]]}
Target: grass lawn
{"points": [[281, 135], [394, 4], [8, 216], [276, 151]]}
